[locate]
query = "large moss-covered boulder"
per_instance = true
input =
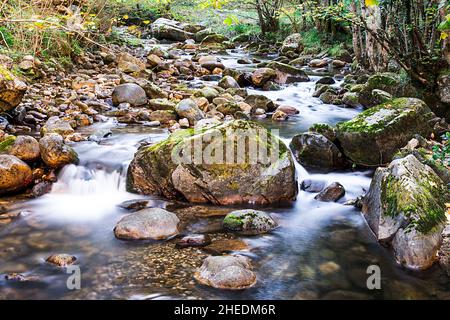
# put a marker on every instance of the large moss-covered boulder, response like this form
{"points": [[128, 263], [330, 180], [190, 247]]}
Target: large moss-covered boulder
{"points": [[216, 164], [405, 207], [372, 137], [12, 90]]}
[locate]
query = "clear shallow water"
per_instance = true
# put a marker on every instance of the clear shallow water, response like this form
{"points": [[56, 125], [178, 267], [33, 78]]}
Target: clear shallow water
{"points": [[321, 250]]}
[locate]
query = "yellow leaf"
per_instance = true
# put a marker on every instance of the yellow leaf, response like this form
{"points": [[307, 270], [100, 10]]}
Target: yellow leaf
{"points": [[146, 21], [370, 3], [444, 35], [126, 17]]}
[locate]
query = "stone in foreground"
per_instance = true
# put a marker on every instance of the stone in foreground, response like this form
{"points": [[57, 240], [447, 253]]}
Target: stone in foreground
{"points": [[171, 168], [12, 90], [61, 260], [373, 137], [226, 272], [55, 153], [405, 207], [153, 223], [15, 174], [249, 222]]}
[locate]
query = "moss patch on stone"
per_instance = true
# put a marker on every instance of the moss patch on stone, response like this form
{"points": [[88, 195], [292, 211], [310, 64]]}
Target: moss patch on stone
{"points": [[7, 143], [424, 206]]}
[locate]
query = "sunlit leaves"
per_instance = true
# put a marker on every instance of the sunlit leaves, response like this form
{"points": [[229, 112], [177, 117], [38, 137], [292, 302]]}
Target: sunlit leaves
{"points": [[230, 20], [371, 3]]}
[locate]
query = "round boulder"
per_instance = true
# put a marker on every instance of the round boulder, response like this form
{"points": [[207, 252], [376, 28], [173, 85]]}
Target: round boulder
{"points": [[14, 174], [55, 153], [226, 272], [152, 223], [25, 148], [130, 93]]}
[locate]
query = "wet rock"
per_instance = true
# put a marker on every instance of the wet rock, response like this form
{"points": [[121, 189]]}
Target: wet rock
{"points": [[214, 38], [324, 129], [405, 207], [249, 222], [56, 125], [287, 73], [153, 223], [210, 63], [25, 148], [18, 277], [153, 170], [163, 116], [61, 260], [226, 272], [100, 134], [193, 240], [260, 102], [228, 82], [316, 151], [326, 80], [188, 109], [136, 204], [15, 174], [338, 64], [41, 188], [161, 104], [55, 153], [263, 75], [293, 43], [12, 90], [373, 137], [332, 193], [129, 64], [222, 246], [318, 63], [380, 96], [129, 93], [208, 93], [313, 186], [351, 99], [290, 111], [279, 116], [166, 29]]}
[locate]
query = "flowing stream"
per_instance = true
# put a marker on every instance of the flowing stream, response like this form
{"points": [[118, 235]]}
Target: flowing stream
{"points": [[321, 250]]}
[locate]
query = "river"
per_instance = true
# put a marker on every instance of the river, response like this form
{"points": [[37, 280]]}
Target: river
{"points": [[320, 251]]}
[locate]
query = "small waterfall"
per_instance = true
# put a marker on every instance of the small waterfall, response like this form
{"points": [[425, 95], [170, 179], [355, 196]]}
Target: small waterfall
{"points": [[78, 180]]}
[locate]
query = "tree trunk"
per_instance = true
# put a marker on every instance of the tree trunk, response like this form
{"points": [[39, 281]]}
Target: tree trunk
{"points": [[376, 55]]}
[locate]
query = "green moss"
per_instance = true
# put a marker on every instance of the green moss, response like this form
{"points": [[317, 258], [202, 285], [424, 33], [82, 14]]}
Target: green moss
{"points": [[7, 143], [399, 106], [424, 207], [6, 74], [233, 222]]}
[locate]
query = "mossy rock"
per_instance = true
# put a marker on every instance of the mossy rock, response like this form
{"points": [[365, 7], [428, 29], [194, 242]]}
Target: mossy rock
{"points": [[375, 135], [249, 222], [405, 207], [208, 174]]}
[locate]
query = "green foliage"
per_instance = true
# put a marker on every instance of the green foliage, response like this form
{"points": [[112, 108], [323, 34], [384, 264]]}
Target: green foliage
{"points": [[6, 38], [441, 153]]}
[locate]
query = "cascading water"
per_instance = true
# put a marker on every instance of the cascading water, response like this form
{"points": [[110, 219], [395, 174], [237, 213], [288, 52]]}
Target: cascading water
{"points": [[320, 250]]}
